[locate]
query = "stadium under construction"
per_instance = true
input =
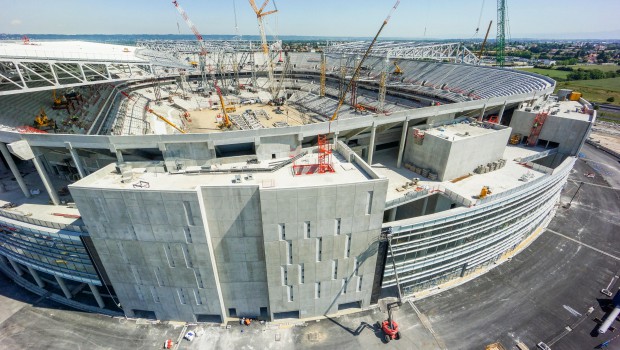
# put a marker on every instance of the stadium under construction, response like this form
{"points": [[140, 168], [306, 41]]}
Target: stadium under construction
{"points": [[209, 181]]}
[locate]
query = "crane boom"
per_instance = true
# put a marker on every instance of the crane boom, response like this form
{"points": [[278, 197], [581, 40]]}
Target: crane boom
{"points": [[359, 66], [259, 17], [226, 123], [165, 120], [485, 40], [202, 56]]}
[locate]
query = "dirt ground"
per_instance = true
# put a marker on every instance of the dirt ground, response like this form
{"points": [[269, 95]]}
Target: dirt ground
{"points": [[205, 121], [610, 141]]}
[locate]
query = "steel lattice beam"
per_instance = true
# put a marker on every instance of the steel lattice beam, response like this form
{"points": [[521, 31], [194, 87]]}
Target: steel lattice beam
{"points": [[451, 52]]}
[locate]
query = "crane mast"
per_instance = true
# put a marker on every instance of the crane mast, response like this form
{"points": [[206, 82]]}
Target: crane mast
{"points": [[500, 57], [259, 17], [202, 56]]}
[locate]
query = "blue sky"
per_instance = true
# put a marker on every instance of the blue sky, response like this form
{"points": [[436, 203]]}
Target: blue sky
{"points": [[440, 18]]}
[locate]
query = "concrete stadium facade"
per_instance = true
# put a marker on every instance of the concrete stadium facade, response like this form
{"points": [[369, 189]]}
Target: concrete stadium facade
{"points": [[195, 247]]}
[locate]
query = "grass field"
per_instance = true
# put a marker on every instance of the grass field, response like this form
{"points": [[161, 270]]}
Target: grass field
{"points": [[551, 73], [595, 90], [604, 68]]}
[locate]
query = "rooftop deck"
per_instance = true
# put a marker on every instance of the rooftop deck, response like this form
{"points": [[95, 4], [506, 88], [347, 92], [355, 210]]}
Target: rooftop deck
{"points": [[232, 174], [499, 180]]}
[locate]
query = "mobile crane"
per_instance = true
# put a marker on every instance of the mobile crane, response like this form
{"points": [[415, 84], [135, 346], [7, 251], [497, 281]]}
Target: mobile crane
{"points": [[359, 66], [165, 120]]}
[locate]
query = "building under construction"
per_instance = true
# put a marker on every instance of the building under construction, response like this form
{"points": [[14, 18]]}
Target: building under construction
{"points": [[208, 181]]}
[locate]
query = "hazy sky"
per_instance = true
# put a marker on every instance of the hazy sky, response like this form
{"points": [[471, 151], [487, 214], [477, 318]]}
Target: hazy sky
{"points": [[441, 18]]}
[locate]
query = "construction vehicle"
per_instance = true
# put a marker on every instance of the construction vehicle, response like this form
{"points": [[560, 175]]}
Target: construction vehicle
{"points": [[486, 190], [359, 66], [165, 120], [390, 326], [260, 13], [230, 109], [42, 122], [397, 69], [60, 102], [515, 139], [226, 123], [194, 64]]}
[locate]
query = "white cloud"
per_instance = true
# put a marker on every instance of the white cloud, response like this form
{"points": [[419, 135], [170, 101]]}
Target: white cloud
{"points": [[16, 22]]}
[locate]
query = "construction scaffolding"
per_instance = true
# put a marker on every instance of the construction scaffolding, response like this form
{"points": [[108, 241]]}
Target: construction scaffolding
{"points": [[324, 162]]}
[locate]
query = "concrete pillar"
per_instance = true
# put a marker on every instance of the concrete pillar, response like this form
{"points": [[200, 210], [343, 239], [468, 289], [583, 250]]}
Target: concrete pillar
{"points": [[424, 206], [38, 164], [3, 168], [335, 138], [371, 146], [63, 286], [3, 260], [93, 288], [76, 161], [119, 156], [392, 214], [501, 113], [36, 277], [484, 109], [9, 160], [401, 146], [16, 267]]}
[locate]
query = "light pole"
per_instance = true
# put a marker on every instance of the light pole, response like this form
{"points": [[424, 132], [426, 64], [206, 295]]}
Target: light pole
{"points": [[574, 195]]}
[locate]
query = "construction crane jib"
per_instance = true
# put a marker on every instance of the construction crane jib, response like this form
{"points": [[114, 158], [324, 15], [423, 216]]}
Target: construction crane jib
{"points": [[259, 17], [359, 66], [202, 56]]}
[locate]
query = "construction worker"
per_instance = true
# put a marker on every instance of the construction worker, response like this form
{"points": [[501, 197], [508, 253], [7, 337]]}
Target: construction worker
{"points": [[247, 321]]}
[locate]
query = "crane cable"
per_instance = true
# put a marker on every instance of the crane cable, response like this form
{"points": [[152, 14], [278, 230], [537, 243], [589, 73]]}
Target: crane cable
{"points": [[479, 18], [359, 65]]}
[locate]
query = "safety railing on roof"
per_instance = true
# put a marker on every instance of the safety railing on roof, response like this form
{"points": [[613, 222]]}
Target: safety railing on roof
{"points": [[43, 223]]}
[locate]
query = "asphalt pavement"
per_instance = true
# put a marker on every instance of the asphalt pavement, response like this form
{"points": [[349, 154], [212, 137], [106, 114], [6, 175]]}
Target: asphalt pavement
{"points": [[534, 297]]}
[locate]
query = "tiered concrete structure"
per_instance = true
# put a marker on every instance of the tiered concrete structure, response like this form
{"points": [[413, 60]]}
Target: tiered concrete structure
{"points": [[214, 226]]}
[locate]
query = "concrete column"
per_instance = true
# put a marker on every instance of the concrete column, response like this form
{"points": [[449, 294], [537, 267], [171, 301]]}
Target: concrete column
{"points": [[93, 288], [392, 214], [77, 161], [3, 168], [424, 206], [371, 146], [401, 146], [46, 180], [36, 277], [3, 260], [501, 113], [119, 156], [16, 267], [484, 109], [63, 286], [335, 138], [9, 160]]}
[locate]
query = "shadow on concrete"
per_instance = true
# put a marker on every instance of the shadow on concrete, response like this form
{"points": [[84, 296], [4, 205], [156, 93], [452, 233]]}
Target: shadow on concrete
{"points": [[357, 331]]}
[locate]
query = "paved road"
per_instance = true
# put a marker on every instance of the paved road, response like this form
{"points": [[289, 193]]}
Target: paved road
{"points": [[603, 164], [531, 298]]}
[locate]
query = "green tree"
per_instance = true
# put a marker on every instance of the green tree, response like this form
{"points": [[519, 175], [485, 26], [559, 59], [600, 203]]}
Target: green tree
{"points": [[611, 99]]}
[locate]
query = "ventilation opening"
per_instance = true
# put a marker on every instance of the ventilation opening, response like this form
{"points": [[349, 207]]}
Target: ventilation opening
{"points": [[208, 318], [232, 312], [144, 314], [352, 305], [285, 315]]}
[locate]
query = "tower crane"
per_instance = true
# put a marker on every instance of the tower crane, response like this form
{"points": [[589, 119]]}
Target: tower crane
{"points": [[359, 66], [259, 17], [202, 56]]}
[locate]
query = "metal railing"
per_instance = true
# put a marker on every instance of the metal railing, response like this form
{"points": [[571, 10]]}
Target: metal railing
{"points": [[43, 223]]}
